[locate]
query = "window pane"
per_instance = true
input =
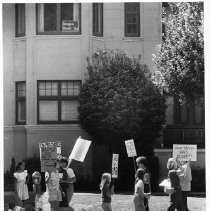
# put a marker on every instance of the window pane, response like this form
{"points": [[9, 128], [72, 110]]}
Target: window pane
{"points": [[21, 89], [76, 88], [183, 114], [48, 111], [48, 89], [67, 12], [198, 112], [20, 28], [50, 21], [98, 19], [22, 111], [69, 110]]}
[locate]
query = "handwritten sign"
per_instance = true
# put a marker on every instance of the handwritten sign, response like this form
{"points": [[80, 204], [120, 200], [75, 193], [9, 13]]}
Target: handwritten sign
{"points": [[58, 148], [70, 26], [48, 155], [185, 152], [115, 159], [165, 183], [80, 149], [130, 147]]}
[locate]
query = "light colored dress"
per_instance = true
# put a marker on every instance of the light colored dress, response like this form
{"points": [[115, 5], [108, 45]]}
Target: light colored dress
{"points": [[138, 198], [52, 187], [21, 187]]}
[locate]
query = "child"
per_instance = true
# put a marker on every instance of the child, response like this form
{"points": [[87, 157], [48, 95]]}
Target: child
{"points": [[176, 196], [139, 195], [142, 163], [106, 191], [21, 179], [53, 189]]}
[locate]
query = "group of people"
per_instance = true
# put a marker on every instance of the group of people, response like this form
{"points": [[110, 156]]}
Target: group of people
{"points": [[59, 184], [179, 176]]}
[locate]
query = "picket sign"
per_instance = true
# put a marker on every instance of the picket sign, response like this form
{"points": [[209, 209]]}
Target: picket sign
{"points": [[185, 152], [115, 161], [48, 156], [80, 150], [131, 150]]}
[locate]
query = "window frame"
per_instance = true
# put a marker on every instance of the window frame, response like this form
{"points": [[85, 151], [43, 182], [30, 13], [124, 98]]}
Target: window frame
{"points": [[17, 100], [101, 9], [59, 98], [138, 33], [59, 32], [17, 21]]}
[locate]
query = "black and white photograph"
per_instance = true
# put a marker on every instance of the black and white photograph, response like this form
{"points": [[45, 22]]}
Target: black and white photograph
{"points": [[104, 106]]}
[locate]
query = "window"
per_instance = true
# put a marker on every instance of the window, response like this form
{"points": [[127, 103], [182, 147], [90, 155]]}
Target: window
{"points": [[58, 18], [132, 19], [190, 113], [20, 20], [20, 102], [58, 101], [98, 19]]}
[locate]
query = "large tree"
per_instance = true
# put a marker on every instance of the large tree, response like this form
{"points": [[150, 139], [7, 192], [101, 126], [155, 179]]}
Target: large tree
{"points": [[119, 101], [180, 57]]}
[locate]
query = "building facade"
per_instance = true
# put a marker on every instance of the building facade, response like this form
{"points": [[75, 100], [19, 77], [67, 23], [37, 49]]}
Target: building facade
{"points": [[45, 50]]}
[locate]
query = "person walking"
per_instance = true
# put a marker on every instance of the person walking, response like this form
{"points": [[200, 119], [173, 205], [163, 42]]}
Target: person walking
{"points": [[139, 193], [176, 194], [106, 191], [142, 163]]}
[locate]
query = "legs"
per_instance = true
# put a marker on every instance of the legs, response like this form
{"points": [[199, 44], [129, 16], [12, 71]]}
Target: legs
{"points": [[70, 192], [54, 205], [106, 206], [138, 204], [146, 204], [184, 199]]}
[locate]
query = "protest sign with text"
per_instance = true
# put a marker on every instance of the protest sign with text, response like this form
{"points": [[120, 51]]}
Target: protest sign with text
{"points": [[80, 149], [185, 152], [130, 147], [115, 159], [48, 156]]}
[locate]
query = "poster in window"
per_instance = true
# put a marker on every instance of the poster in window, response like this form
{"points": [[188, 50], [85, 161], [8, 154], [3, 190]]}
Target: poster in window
{"points": [[70, 26]]}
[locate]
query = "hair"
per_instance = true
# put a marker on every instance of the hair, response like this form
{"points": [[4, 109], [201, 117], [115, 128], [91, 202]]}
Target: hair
{"points": [[63, 160], [139, 174], [105, 180], [18, 165], [142, 160], [172, 165]]}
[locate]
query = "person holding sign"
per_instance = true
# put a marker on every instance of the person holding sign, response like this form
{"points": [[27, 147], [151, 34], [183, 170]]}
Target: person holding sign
{"points": [[185, 174], [66, 181], [142, 163], [139, 194], [106, 191]]}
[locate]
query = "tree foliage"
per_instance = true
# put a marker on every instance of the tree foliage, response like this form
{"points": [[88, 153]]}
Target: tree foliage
{"points": [[180, 58], [119, 101]]}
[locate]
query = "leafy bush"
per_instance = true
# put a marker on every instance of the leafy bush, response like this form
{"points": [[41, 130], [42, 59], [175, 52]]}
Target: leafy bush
{"points": [[119, 101]]}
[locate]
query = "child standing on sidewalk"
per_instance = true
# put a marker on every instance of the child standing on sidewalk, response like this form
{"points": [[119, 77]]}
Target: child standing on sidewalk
{"points": [[21, 179], [106, 191]]}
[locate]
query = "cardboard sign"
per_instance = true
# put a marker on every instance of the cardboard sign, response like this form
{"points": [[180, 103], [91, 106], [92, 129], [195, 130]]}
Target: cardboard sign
{"points": [[58, 148], [115, 159], [185, 152], [165, 183], [130, 147], [70, 26], [48, 156], [80, 149]]}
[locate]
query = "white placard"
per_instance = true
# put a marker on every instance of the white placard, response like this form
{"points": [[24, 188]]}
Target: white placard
{"points": [[80, 149], [165, 183], [130, 147], [185, 152], [115, 160]]}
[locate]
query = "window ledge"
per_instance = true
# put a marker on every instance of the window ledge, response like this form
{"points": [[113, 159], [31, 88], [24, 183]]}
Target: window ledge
{"points": [[98, 38], [132, 39], [16, 39], [46, 36]]}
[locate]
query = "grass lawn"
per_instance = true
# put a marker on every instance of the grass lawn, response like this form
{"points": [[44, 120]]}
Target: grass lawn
{"points": [[120, 202]]}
